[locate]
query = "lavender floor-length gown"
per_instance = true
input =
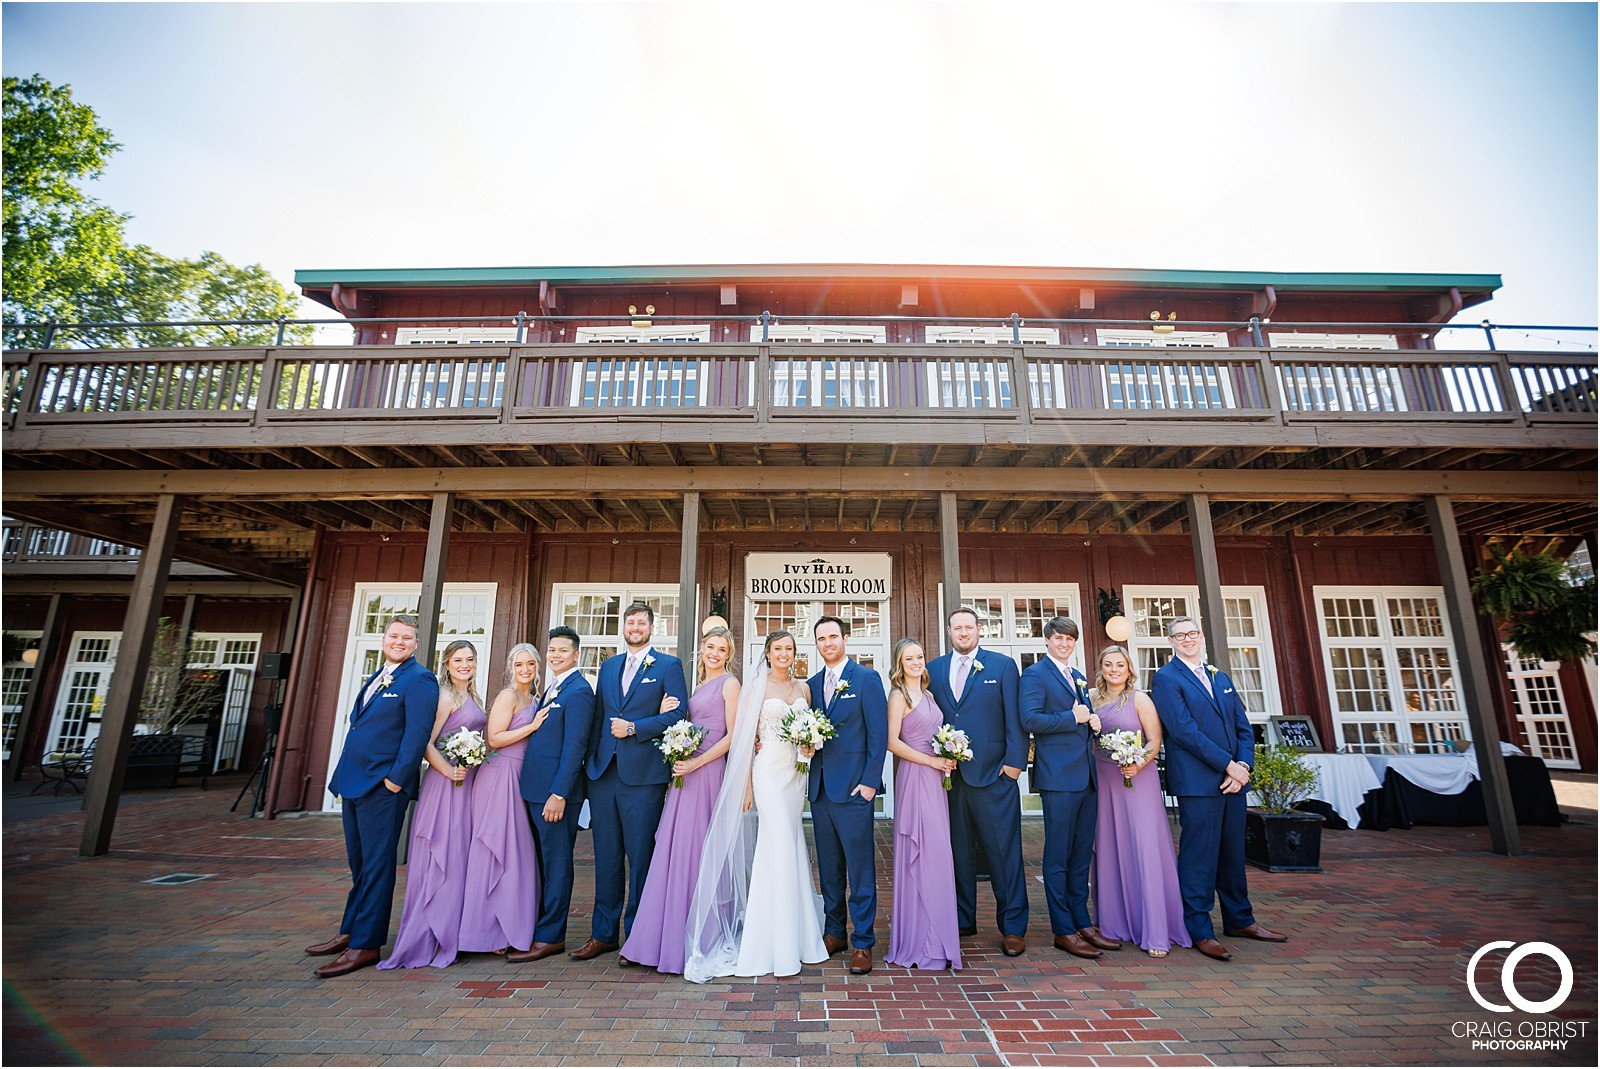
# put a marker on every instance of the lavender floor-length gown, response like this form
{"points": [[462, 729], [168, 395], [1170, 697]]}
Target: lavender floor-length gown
{"points": [[1135, 870], [502, 887], [657, 936], [436, 868], [923, 930]]}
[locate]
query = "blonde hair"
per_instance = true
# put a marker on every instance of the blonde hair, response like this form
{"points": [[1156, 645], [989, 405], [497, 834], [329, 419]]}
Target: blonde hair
{"points": [[450, 681], [699, 664], [536, 688], [1101, 692], [897, 673]]}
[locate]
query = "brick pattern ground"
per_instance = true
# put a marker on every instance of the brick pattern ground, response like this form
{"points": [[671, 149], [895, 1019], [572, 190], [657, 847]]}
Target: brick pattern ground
{"points": [[102, 968]]}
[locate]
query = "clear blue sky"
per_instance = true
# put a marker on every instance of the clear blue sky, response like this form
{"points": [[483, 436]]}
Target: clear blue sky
{"points": [[1274, 137]]}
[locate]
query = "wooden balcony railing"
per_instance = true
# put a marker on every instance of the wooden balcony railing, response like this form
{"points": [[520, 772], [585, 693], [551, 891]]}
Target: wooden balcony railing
{"points": [[488, 383]]}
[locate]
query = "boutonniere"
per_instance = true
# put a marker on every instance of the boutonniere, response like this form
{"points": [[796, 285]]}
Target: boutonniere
{"points": [[386, 680], [977, 666], [842, 688], [1211, 669], [648, 661]]}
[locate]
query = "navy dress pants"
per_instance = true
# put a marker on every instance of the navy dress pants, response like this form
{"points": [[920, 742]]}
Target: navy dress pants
{"points": [[371, 838]]}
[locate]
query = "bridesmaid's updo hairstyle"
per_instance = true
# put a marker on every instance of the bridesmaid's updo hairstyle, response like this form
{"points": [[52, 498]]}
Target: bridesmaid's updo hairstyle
{"points": [[1101, 691], [728, 665], [511, 658], [767, 647], [456, 692], [897, 671]]}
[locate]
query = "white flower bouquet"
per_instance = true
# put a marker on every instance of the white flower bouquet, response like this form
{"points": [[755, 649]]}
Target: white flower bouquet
{"points": [[1126, 748], [679, 743], [952, 743], [464, 748], [806, 727]]}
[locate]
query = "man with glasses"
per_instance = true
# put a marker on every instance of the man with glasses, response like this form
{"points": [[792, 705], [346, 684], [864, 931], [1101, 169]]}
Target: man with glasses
{"points": [[1209, 748]]}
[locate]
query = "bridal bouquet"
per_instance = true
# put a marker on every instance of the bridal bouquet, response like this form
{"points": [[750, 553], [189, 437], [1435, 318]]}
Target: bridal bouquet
{"points": [[465, 747], [679, 744], [1126, 748], [953, 744], [806, 727]]}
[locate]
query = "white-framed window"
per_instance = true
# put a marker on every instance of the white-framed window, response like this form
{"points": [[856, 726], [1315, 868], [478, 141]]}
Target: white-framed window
{"points": [[80, 699], [47, 542], [455, 336], [829, 382], [1390, 662], [594, 611], [1541, 708], [985, 381], [237, 653], [633, 382], [14, 678], [466, 611], [667, 335], [950, 334], [1250, 656], [100, 547], [1167, 383], [1334, 388], [1172, 339], [457, 383], [1299, 339], [821, 333]]}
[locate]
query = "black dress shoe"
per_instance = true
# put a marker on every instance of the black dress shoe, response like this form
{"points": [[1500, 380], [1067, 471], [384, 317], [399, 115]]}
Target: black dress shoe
{"points": [[969, 931]]}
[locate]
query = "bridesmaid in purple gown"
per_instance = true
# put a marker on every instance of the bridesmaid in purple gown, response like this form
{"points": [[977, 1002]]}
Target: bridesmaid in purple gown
{"points": [[441, 829], [1135, 871], [923, 930], [502, 887], [657, 937]]}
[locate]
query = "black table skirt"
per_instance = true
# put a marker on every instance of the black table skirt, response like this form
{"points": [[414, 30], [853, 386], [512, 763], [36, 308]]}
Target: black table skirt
{"points": [[1399, 803]]}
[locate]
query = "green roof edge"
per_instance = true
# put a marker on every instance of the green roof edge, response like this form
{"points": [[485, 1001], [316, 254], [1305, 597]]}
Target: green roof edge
{"points": [[733, 273]]}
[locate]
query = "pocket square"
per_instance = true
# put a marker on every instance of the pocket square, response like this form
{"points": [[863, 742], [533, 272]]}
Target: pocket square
{"points": [[991, 682], [844, 697], [647, 680], [389, 694], [1227, 690]]}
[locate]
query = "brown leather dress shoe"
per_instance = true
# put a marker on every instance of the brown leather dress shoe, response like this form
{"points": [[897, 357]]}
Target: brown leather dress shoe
{"points": [[833, 944], [336, 945], [1013, 945], [1255, 931], [349, 962], [1213, 949], [1092, 936], [537, 952], [592, 949], [860, 961], [1076, 945]]}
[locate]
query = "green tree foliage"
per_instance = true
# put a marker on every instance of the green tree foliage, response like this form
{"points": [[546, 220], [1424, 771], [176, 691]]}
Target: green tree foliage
{"points": [[67, 259], [59, 243], [1546, 614]]}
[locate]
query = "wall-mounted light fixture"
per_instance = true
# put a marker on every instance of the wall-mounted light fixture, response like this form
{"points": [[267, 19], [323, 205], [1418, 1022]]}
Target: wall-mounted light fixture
{"points": [[30, 653], [641, 321], [1163, 327]]}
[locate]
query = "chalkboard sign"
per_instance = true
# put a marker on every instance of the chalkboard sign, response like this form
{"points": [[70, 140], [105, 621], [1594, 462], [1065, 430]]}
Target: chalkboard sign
{"points": [[1297, 732]]}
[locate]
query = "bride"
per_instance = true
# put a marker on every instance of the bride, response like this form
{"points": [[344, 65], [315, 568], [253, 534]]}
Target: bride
{"points": [[754, 912]]}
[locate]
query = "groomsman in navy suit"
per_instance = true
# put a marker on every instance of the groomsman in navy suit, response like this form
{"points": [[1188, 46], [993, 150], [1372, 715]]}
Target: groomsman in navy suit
{"points": [[977, 691], [1210, 748], [1055, 707], [376, 778], [627, 775], [552, 785], [846, 775]]}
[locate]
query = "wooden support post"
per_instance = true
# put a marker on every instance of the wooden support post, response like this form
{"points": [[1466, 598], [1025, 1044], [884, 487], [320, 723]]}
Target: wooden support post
{"points": [[1472, 668], [1213, 614], [32, 697], [128, 679], [688, 565], [433, 576], [949, 558]]}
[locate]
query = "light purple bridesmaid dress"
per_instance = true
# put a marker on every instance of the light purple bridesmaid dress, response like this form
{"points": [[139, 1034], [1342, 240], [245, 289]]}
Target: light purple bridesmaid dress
{"points": [[657, 936], [923, 930], [1135, 870], [436, 868], [502, 888]]}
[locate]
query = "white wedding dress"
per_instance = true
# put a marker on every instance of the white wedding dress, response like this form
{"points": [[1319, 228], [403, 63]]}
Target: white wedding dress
{"points": [[783, 921], [754, 911]]}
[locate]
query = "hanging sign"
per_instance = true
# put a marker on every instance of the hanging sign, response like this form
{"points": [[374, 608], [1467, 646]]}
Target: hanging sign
{"points": [[807, 576]]}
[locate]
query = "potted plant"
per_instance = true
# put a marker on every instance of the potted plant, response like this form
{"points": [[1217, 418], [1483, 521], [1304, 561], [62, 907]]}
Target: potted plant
{"points": [[1278, 837], [1544, 611]]}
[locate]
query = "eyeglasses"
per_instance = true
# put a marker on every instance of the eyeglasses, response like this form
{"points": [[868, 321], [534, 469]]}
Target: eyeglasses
{"points": [[1185, 636]]}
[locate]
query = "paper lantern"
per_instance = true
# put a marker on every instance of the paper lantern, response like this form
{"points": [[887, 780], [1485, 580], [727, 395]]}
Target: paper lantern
{"points": [[1119, 629], [712, 621]]}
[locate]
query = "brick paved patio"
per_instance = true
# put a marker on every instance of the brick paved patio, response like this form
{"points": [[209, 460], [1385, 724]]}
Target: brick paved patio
{"points": [[100, 967]]}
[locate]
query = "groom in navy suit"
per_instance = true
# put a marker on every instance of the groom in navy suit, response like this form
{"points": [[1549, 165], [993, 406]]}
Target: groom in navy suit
{"points": [[627, 775], [1055, 707], [846, 775], [977, 691], [552, 785], [1210, 748], [376, 778]]}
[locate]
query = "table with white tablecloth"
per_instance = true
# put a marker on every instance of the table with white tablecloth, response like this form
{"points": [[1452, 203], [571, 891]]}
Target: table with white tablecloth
{"points": [[1343, 781]]}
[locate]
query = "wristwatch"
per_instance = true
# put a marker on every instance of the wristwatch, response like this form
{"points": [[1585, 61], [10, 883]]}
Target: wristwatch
{"points": [[633, 729]]}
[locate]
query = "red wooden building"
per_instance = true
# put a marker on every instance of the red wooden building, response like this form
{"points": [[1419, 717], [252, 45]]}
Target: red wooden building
{"points": [[1312, 463]]}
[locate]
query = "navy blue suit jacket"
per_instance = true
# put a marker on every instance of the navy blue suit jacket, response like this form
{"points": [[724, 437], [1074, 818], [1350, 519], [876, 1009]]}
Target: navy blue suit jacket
{"points": [[987, 712], [388, 735], [1062, 747], [853, 757], [553, 761], [1203, 732], [638, 762]]}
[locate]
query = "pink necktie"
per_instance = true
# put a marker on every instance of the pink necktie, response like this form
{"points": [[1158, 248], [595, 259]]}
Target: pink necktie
{"points": [[628, 671], [958, 685], [1205, 680]]}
